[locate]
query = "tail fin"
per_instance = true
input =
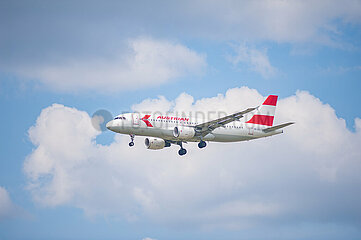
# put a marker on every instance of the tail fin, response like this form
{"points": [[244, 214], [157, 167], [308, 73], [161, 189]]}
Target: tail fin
{"points": [[266, 112]]}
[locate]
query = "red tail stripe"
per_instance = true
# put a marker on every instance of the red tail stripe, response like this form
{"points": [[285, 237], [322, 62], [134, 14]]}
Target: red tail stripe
{"points": [[271, 100], [262, 120]]}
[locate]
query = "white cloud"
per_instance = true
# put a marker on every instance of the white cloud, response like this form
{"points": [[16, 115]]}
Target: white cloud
{"points": [[308, 174], [277, 20], [70, 52], [7, 208], [61, 32], [147, 62], [161, 104], [254, 59]]}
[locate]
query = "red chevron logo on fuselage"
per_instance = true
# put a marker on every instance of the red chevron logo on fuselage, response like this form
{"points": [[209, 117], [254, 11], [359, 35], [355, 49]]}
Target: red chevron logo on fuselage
{"points": [[145, 119]]}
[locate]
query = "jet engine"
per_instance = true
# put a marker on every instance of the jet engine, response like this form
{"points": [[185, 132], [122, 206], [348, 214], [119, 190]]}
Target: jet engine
{"points": [[184, 133], [155, 143]]}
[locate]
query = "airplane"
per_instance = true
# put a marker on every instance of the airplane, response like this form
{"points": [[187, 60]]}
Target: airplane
{"points": [[164, 130]]}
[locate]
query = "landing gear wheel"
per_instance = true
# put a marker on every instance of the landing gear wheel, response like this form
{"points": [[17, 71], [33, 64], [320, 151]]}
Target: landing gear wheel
{"points": [[131, 144], [202, 144], [182, 151]]}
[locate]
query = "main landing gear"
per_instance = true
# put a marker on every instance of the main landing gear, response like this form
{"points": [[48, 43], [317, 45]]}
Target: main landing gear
{"points": [[181, 151], [131, 144], [202, 144]]}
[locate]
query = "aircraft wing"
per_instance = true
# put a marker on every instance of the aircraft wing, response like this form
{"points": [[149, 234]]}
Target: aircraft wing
{"points": [[207, 127]]}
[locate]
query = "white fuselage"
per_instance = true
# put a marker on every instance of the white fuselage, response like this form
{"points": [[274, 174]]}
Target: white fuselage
{"points": [[161, 126]]}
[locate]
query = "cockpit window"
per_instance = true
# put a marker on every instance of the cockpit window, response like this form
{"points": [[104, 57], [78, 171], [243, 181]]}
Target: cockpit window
{"points": [[119, 118]]}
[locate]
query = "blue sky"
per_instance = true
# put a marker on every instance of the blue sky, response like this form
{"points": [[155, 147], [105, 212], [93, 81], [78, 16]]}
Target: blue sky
{"points": [[90, 55]]}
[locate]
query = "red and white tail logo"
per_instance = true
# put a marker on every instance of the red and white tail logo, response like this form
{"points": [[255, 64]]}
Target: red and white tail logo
{"points": [[266, 112]]}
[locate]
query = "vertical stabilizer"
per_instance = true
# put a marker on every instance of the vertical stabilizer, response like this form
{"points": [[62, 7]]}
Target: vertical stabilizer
{"points": [[266, 112]]}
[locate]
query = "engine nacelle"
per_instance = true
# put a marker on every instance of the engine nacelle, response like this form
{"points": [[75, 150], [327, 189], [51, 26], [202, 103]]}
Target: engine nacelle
{"points": [[184, 132], [154, 143]]}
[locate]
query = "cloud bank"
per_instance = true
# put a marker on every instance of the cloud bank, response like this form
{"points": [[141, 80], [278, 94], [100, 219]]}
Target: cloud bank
{"points": [[86, 46], [279, 21], [146, 62], [308, 174], [275, 20]]}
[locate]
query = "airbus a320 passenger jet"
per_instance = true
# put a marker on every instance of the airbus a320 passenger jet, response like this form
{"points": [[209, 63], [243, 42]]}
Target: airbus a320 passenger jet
{"points": [[164, 130]]}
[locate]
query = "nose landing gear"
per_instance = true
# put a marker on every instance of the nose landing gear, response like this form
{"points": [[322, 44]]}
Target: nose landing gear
{"points": [[131, 144]]}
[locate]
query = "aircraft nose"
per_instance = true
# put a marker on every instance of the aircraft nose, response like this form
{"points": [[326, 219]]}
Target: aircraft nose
{"points": [[109, 124]]}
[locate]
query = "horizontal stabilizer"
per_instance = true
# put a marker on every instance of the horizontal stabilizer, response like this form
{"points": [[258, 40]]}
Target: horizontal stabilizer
{"points": [[270, 129]]}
